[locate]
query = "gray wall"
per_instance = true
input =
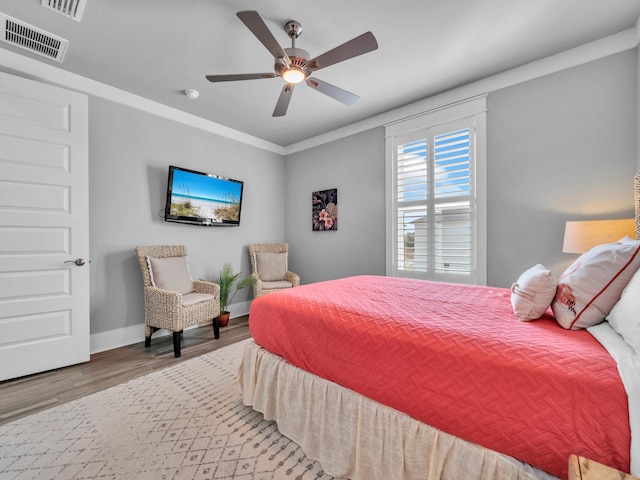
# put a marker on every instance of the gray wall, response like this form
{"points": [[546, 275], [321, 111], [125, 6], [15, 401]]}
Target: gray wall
{"points": [[130, 152], [561, 147], [355, 166]]}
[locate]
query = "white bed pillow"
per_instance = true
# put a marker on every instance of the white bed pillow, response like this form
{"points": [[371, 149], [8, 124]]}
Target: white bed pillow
{"points": [[625, 315], [628, 241], [170, 273], [592, 285], [533, 293]]}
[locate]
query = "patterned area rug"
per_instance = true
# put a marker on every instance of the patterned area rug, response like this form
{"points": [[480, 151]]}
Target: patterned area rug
{"points": [[184, 422]]}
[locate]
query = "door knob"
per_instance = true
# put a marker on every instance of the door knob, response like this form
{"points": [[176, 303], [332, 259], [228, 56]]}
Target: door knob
{"points": [[78, 261]]}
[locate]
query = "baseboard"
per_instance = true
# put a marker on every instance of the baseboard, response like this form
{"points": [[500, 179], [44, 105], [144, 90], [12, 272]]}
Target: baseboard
{"points": [[120, 337]]}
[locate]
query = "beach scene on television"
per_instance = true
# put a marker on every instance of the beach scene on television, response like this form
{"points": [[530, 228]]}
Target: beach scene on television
{"points": [[202, 196]]}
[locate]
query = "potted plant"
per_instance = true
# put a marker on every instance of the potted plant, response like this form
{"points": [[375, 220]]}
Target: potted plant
{"points": [[228, 289]]}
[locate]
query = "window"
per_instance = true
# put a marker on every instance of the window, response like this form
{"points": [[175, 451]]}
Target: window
{"points": [[435, 195]]}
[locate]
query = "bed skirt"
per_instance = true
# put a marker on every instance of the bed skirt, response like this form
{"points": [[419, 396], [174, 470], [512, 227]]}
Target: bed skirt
{"points": [[354, 437]]}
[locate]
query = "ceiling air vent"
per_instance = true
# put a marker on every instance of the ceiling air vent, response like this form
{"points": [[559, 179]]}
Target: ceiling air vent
{"points": [[68, 8], [33, 39]]}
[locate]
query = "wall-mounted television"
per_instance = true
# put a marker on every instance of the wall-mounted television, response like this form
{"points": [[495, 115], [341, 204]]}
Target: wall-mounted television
{"points": [[203, 199]]}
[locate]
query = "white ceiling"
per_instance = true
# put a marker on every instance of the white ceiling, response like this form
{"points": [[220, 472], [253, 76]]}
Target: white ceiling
{"points": [[159, 48]]}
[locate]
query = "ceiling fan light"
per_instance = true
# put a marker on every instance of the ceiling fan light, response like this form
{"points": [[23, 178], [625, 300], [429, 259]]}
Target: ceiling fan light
{"points": [[293, 75]]}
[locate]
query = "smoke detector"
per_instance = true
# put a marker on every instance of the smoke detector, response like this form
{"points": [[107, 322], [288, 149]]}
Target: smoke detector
{"points": [[68, 8], [191, 93], [33, 39]]}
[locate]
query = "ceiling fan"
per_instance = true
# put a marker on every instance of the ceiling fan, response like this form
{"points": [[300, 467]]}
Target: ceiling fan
{"points": [[293, 64]]}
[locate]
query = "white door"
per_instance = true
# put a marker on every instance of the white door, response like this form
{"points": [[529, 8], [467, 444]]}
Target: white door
{"points": [[44, 213]]}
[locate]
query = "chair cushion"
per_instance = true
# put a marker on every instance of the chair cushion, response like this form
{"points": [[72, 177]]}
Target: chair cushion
{"points": [[170, 273], [189, 299], [271, 267], [276, 285]]}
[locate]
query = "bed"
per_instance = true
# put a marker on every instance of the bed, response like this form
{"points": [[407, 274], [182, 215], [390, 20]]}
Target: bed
{"points": [[391, 378]]}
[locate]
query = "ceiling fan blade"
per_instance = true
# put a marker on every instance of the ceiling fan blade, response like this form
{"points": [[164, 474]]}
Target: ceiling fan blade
{"points": [[254, 22], [332, 91], [240, 76], [362, 44], [283, 101]]}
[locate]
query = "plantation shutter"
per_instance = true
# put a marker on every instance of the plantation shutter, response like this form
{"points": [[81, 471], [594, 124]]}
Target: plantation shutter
{"points": [[433, 220], [412, 194]]}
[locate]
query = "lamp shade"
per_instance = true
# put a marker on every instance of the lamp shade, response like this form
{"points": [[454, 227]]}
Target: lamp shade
{"points": [[581, 236]]}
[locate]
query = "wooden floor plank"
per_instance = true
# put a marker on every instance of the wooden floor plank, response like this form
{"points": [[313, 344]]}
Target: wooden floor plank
{"points": [[27, 395]]}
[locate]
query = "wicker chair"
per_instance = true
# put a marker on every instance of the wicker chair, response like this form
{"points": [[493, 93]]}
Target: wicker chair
{"points": [[267, 283], [199, 301]]}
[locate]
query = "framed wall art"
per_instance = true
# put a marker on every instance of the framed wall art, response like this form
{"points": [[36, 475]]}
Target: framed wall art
{"points": [[324, 210]]}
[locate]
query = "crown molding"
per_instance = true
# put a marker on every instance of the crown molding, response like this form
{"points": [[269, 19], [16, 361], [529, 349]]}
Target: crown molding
{"points": [[607, 46], [21, 65]]}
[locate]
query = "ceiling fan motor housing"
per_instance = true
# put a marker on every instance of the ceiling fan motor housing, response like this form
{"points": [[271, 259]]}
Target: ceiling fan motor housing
{"points": [[298, 58]]}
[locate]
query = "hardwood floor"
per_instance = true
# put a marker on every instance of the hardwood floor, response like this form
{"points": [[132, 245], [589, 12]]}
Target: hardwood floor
{"points": [[27, 395]]}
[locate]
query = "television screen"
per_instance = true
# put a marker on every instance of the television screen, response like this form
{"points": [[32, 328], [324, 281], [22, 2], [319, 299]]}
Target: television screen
{"points": [[202, 198]]}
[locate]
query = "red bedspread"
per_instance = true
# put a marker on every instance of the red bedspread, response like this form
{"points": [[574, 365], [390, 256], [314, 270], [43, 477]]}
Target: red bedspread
{"points": [[456, 357]]}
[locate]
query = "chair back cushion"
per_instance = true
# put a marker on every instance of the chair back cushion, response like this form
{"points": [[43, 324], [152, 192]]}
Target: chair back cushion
{"points": [[271, 267], [170, 273]]}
